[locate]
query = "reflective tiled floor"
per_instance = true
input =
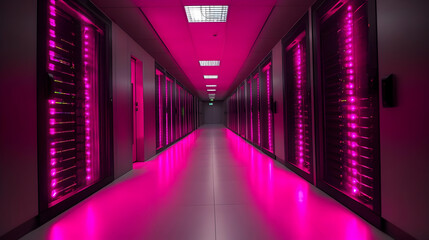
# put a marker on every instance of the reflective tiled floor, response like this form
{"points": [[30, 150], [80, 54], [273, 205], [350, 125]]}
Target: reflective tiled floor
{"points": [[210, 185]]}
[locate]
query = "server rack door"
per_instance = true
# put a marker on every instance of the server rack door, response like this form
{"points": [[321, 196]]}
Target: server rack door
{"points": [[73, 105], [182, 113], [194, 118], [168, 111], [237, 119], [133, 107], [186, 112], [298, 96], [255, 110], [237, 104], [235, 112], [227, 107], [179, 111], [229, 112], [242, 111], [249, 110], [185, 117], [160, 79], [194, 112], [174, 110], [347, 87], [266, 115], [189, 112]]}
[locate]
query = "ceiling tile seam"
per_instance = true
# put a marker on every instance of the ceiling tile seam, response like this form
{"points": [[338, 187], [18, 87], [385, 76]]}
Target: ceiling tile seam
{"points": [[236, 82], [191, 87]]}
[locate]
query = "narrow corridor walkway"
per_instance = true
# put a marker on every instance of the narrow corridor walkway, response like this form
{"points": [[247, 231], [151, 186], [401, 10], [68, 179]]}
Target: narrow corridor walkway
{"points": [[210, 185]]}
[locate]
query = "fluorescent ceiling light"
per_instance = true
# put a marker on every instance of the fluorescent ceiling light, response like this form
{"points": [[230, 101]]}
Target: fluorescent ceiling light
{"points": [[208, 13], [211, 86], [212, 94], [210, 76], [209, 63], [211, 90], [211, 104]]}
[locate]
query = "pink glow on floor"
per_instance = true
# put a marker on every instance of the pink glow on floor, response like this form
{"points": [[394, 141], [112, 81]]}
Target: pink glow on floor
{"points": [[294, 207], [210, 185]]}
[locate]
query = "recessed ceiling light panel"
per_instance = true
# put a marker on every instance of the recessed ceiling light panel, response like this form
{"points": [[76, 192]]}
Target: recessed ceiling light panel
{"points": [[209, 63], [211, 90], [211, 86], [208, 13], [210, 76]]}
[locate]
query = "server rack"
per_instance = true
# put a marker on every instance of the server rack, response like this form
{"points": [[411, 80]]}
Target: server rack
{"points": [[348, 165], [169, 135], [74, 104], [185, 115], [266, 107], [242, 111], [256, 120], [160, 108], [179, 119], [175, 109], [249, 106], [297, 102], [233, 112]]}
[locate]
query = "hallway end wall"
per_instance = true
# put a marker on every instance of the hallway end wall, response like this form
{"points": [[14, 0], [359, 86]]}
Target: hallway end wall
{"points": [[213, 114]]}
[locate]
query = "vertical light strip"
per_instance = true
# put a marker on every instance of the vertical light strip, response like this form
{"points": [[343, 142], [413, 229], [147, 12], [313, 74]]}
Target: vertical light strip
{"points": [[259, 106], [251, 111], [171, 111], [180, 113], [299, 124], [159, 111], [352, 111], [166, 110], [52, 111], [87, 106], [270, 140]]}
